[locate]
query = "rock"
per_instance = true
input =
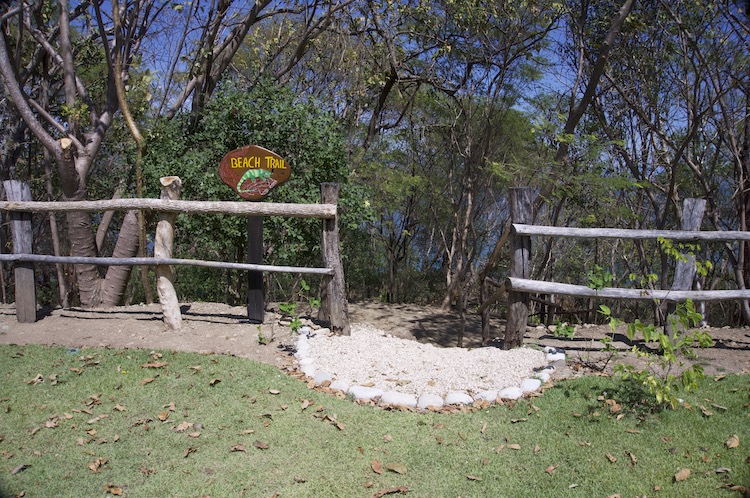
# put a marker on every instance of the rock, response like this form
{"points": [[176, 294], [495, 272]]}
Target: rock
{"points": [[285, 323], [458, 398], [305, 361], [399, 399], [304, 330], [552, 328], [530, 385], [543, 376], [324, 332], [429, 400], [321, 377], [362, 392], [555, 357], [489, 396], [510, 393], [339, 385], [308, 370]]}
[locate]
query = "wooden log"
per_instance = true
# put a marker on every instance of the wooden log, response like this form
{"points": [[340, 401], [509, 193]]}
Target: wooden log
{"points": [[163, 247], [325, 211], [540, 286], [334, 308], [22, 243], [521, 211], [255, 306], [42, 258], [617, 233]]}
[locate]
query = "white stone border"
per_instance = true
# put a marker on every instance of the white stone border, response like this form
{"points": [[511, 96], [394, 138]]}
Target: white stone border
{"points": [[424, 401]]}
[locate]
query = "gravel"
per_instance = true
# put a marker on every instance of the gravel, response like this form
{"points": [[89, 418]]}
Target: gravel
{"points": [[372, 358]]}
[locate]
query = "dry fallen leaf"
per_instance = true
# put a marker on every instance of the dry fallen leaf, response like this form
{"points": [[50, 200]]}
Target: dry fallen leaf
{"points": [[189, 451], [377, 467], [155, 364], [119, 408], [147, 380], [274, 391], [113, 490], [633, 431], [517, 420], [261, 445], [213, 382], [183, 427], [163, 416], [733, 441], [611, 458], [238, 447], [550, 469], [396, 467], [474, 478], [387, 438], [537, 449], [19, 468], [146, 471], [514, 446], [390, 491], [97, 464], [682, 475], [705, 411], [633, 459]]}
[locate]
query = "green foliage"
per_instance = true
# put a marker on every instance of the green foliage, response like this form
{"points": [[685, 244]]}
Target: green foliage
{"points": [[271, 117], [289, 309], [600, 278], [564, 330], [666, 373]]}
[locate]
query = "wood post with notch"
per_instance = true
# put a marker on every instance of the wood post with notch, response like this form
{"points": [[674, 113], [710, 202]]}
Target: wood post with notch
{"points": [[22, 244], [164, 244], [521, 211], [334, 308]]}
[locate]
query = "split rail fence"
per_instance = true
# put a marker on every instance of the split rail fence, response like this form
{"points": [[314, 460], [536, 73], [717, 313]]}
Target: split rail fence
{"points": [[519, 285], [333, 308]]}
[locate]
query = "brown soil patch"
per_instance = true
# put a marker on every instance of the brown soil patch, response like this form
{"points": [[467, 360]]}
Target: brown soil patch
{"points": [[222, 329]]}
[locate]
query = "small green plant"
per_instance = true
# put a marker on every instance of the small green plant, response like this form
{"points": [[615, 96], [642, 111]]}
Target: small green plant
{"points": [[290, 309], [666, 372], [564, 330], [600, 278]]}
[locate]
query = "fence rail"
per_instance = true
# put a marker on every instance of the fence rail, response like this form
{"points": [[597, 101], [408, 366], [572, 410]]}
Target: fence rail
{"points": [[324, 211], [333, 308], [42, 258], [519, 285]]}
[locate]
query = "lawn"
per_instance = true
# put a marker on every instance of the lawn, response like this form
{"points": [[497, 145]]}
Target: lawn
{"points": [[100, 422]]}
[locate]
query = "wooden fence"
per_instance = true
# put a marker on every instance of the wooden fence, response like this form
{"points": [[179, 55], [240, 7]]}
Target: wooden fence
{"points": [[333, 309], [519, 285]]}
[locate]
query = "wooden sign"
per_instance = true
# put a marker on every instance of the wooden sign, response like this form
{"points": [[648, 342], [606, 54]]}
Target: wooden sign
{"points": [[253, 171]]}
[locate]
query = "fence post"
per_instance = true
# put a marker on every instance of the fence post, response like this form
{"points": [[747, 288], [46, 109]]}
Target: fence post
{"points": [[22, 244], [521, 211], [163, 247], [333, 306]]}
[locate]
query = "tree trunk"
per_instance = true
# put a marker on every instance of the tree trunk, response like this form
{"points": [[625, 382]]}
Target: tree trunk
{"points": [[113, 286]]}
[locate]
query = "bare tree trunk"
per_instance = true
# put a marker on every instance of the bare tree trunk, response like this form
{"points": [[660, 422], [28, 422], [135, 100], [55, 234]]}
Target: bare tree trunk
{"points": [[62, 284], [113, 286]]}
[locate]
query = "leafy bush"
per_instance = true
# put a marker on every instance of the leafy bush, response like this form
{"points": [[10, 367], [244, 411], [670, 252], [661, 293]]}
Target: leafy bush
{"points": [[666, 372]]}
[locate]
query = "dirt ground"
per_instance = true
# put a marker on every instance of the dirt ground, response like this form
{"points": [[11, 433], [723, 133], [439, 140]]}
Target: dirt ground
{"points": [[222, 329]]}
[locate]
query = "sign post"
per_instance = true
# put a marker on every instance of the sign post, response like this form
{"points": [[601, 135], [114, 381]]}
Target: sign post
{"points": [[253, 172]]}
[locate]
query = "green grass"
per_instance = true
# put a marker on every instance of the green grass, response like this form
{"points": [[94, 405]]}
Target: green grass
{"points": [[308, 455]]}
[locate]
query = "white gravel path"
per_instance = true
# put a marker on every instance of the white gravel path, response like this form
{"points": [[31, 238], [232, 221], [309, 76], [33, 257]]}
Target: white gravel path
{"points": [[374, 359]]}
